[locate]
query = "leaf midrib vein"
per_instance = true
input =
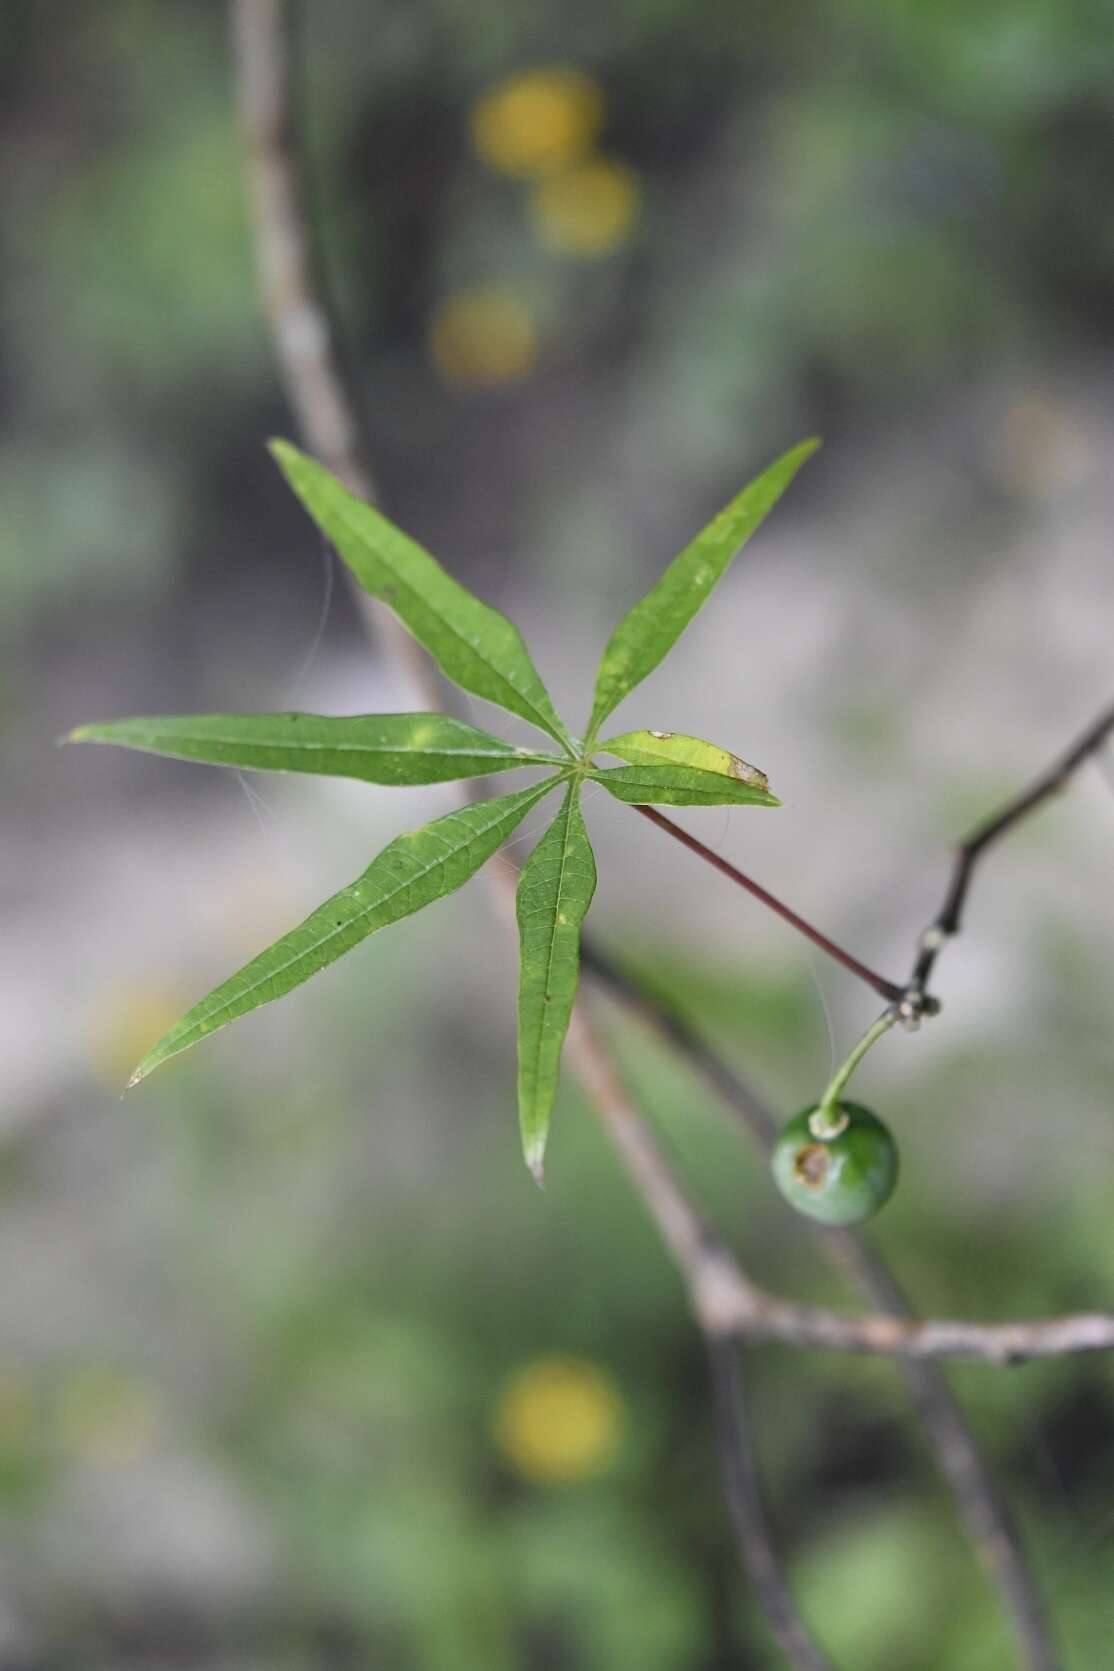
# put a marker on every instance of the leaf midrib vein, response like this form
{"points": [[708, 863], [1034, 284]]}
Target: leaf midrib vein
{"points": [[567, 812], [385, 899], [510, 752], [453, 631]]}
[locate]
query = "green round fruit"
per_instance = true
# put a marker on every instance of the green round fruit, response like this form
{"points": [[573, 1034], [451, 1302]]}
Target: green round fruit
{"points": [[839, 1176]]}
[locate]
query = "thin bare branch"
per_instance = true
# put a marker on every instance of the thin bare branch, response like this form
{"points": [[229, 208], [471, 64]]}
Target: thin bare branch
{"points": [[990, 1343], [983, 1509], [327, 411], [305, 337], [985, 1512], [695, 1248], [987, 1518], [747, 1509], [729, 1304], [948, 920], [313, 372], [328, 414], [754, 1112], [913, 998]]}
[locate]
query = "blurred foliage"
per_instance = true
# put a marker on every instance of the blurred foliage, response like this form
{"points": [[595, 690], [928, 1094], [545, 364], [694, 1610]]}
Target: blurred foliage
{"points": [[461, 1460], [787, 209], [849, 207]]}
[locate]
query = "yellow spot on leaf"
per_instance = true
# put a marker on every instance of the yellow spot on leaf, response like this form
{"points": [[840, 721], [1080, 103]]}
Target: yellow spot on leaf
{"points": [[537, 123], [559, 1420]]}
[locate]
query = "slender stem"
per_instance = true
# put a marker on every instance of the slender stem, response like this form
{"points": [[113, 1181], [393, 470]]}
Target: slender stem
{"points": [[727, 1302], [982, 1508], [301, 325], [913, 998], [824, 1116], [1004, 1344], [745, 1504], [885, 989], [949, 918], [314, 374]]}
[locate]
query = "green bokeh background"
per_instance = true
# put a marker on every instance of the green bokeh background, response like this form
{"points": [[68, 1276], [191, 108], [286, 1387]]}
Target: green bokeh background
{"points": [[257, 1321]]}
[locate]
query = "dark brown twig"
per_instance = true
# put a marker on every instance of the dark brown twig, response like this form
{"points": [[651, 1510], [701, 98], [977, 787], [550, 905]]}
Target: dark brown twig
{"points": [[724, 1298], [986, 1514], [948, 921], [314, 376], [747, 1509], [730, 1304], [886, 989], [913, 997], [328, 416], [984, 1511]]}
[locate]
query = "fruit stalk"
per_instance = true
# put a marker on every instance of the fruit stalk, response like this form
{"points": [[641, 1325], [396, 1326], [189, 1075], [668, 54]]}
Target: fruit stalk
{"points": [[826, 1122]]}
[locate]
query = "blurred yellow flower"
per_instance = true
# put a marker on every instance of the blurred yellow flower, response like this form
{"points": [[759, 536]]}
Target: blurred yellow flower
{"points": [[482, 337], [589, 210], [124, 1023], [559, 1420], [103, 1415], [537, 122]]}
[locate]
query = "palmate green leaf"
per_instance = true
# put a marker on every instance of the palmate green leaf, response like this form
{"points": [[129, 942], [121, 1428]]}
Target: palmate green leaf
{"points": [[673, 748], [554, 893], [655, 623], [473, 644], [678, 786], [412, 871], [375, 748]]}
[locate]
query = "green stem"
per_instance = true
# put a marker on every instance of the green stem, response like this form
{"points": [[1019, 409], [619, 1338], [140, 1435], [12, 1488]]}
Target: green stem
{"points": [[823, 1122]]}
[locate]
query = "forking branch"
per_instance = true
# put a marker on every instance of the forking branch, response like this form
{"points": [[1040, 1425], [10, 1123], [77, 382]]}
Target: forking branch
{"points": [[727, 1303], [913, 999], [1056, 777], [730, 1304]]}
